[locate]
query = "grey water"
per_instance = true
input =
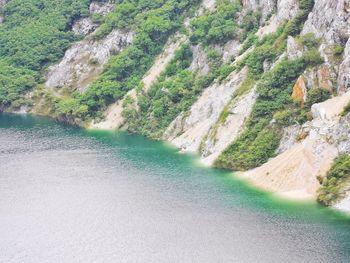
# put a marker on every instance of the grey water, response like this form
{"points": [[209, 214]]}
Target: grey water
{"points": [[69, 195]]}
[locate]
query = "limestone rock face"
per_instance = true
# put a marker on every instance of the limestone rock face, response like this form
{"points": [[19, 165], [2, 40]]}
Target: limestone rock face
{"points": [[266, 6], [299, 91], [224, 133], [101, 7], [199, 61], [282, 10], [285, 9], [344, 71], [293, 172], [113, 117], [85, 60], [294, 50], [330, 19], [203, 114], [85, 26]]}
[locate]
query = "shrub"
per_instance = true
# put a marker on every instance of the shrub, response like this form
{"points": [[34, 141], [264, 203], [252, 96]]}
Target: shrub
{"points": [[337, 50], [332, 185], [217, 26], [34, 34], [274, 89], [309, 40], [346, 110], [317, 95]]}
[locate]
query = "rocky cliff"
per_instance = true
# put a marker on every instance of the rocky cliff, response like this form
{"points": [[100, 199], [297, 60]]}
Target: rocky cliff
{"points": [[206, 88]]}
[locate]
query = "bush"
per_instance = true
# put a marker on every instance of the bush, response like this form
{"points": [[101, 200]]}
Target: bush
{"points": [[274, 89], [337, 50], [33, 35], [217, 26], [346, 110], [153, 22], [332, 185], [317, 95], [309, 40]]}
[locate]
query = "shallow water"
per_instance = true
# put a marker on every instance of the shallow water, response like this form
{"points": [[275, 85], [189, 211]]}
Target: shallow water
{"points": [[68, 195]]}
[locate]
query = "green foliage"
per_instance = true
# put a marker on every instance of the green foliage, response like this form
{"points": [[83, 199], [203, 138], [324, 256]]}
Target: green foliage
{"points": [[337, 50], [309, 40], [250, 41], [174, 92], [217, 26], [153, 22], [333, 184], [266, 50], [346, 110], [274, 91], [294, 26], [34, 34], [255, 60], [317, 95]]}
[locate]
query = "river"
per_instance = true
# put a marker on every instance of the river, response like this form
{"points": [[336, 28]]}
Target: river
{"points": [[69, 195]]}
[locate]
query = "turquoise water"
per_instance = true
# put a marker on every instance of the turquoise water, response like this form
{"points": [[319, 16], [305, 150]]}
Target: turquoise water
{"points": [[69, 195]]}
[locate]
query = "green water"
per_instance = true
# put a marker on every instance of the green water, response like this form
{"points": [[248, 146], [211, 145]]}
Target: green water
{"points": [[69, 195]]}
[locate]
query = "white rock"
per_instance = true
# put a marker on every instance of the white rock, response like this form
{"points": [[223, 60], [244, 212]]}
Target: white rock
{"points": [[83, 62], [199, 61], [344, 71], [223, 134], [204, 113]]}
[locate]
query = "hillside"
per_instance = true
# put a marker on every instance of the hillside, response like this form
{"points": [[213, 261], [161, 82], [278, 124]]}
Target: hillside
{"points": [[260, 87]]}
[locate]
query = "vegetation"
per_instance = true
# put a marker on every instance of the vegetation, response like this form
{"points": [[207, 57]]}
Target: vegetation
{"points": [[218, 26], [333, 184], [153, 22], [274, 91], [346, 109], [174, 92], [294, 26], [34, 34], [317, 95]]}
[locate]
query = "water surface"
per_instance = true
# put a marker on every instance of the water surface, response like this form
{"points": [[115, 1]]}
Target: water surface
{"points": [[68, 195]]}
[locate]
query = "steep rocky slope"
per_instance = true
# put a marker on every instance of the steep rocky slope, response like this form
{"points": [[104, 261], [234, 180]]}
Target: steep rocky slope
{"points": [[259, 86]]}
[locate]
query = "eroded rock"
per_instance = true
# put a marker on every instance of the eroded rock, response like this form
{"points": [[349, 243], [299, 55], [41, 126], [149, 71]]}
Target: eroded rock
{"points": [[204, 113], [84, 61]]}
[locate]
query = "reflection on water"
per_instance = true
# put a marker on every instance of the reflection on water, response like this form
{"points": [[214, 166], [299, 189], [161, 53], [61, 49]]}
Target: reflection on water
{"points": [[68, 195]]}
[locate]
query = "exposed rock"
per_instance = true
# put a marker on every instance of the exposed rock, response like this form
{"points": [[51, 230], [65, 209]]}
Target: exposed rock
{"points": [[324, 77], [221, 135], [266, 6], [209, 4], [289, 138], [203, 114], [286, 10], [344, 71], [330, 20], [294, 50], [113, 118], [229, 50], [294, 172], [84, 26], [279, 10], [299, 91], [199, 61], [101, 7], [85, 60], [342, 135]]}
